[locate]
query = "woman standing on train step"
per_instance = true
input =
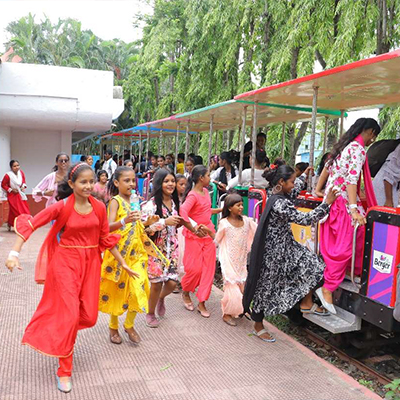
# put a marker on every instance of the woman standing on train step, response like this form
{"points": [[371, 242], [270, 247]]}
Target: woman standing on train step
{"points": [[282, 272], [347, 159], [14, 184]]}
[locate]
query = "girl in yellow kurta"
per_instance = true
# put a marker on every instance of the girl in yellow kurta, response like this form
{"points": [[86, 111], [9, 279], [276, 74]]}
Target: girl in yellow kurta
{"points": [[119, 292]]}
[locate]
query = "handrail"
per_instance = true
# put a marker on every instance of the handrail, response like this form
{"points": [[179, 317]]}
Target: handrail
{"points": [[353, 256], [255, 208], [221, 198]]}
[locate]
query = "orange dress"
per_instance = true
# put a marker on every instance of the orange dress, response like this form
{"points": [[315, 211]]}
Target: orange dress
{"points": [[71, 292]]}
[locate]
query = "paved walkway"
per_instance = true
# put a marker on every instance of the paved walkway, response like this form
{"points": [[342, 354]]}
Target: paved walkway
{"points": [[186, 358]]}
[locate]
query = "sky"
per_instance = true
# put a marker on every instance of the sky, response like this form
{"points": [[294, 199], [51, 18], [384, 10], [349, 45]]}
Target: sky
{"points": [[107, 19]]}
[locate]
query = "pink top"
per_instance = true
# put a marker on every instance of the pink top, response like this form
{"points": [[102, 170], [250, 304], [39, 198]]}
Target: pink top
{"points": [[346, 170], [47, 183], [198, 208], [102, 190]]}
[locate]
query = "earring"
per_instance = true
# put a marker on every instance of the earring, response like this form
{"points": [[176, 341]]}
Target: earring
{"points": [[276, 189]]}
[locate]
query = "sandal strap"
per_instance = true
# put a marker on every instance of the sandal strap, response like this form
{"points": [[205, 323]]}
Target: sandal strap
{"points": [[314, 308], [262, 332]]}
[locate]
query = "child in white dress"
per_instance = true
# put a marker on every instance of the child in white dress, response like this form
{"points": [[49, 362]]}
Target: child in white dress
{"points": [[234, 237]]}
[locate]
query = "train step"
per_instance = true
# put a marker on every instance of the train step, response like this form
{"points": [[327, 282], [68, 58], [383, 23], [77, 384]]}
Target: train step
{"points": [[342, 322]]}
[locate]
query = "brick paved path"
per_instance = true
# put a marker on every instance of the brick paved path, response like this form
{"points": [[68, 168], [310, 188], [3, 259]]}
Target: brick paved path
{"points": [[186, 358]]}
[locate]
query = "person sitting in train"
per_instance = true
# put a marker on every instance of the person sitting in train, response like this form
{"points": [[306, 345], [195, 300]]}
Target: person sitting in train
{"points": [[321, 177], [347, 159], [300, 167], [387, 181], [260, 163], [225, 172]]}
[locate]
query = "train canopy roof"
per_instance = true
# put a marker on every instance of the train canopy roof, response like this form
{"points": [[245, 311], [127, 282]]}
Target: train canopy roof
{"points": [[228, 115], [368, 83]]}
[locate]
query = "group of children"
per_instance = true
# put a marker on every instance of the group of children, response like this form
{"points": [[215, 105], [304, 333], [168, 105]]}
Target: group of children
{"points": [[128, 261]]}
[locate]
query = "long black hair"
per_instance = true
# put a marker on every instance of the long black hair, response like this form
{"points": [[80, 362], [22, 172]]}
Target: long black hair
{"points": [[362, 124], [55, 168], [111, 188], [63, 188], [229, 202], [198, 172], [322, 163], [273, 176], [157, 192]]}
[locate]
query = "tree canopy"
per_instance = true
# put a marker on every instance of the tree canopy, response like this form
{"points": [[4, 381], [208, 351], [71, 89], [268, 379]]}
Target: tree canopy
{"points": [[194, 53]]}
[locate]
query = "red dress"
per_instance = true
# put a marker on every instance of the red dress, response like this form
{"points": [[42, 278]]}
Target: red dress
{"points": [[71, 292], [17, 205]]}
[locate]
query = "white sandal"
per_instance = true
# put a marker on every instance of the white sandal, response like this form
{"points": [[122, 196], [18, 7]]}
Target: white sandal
{"points": [[258, 334], [328, 306]]}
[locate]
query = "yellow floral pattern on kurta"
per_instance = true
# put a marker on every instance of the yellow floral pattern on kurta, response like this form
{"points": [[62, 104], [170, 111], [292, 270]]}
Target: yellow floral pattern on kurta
{"points": [[119, 292]]}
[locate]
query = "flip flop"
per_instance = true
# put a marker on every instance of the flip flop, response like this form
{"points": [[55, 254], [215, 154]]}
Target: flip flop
{"points": [[330, 307], [258, 334], [314, 310]]}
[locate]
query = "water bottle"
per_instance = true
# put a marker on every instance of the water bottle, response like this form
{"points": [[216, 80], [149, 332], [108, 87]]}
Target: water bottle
{"points": [[135, 201]]}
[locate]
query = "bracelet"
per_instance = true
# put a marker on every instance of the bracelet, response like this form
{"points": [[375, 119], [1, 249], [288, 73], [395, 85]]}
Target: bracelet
{"points": [[123, 222], [353, 206], [13, 253]]}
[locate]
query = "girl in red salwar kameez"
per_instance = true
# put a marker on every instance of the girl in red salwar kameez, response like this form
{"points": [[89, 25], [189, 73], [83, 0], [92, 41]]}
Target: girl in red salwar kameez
{"points": [[71, 292], [14, 184]]}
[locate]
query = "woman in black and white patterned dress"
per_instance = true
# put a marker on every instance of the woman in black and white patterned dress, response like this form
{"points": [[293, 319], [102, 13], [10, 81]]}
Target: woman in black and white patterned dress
{"points": [[283, 272]]}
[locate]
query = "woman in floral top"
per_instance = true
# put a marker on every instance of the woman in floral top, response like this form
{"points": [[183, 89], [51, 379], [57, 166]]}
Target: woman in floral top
{"points": [[164, 202], [344, 168]]}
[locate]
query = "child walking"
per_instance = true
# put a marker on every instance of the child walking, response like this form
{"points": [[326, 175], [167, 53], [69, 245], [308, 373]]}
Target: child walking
{"points": [[71, 292], [234, 236], [164, 203], [200, 254], [100, 187], [119, 293]]}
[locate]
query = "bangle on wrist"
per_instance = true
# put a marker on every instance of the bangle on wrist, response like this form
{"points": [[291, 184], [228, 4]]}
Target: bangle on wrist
{"points": [[123, 222], [13, 253], [353, 206]]}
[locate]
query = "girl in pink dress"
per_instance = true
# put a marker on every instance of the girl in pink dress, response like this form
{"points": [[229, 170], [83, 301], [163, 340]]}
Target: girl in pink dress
{"points": [[200, 253], [181, 182], [347, 160], [234, 236], [100, 188]]}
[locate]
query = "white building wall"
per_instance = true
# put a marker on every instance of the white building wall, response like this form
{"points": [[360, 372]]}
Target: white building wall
{"points": [[36, 151], [40, 107]]}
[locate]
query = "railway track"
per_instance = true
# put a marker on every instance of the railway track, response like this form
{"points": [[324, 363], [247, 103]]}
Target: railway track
{"points": [[363, 366]]}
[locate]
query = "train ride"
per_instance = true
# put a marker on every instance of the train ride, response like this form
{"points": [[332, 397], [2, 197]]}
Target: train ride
{"points": [[368, 305]]}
